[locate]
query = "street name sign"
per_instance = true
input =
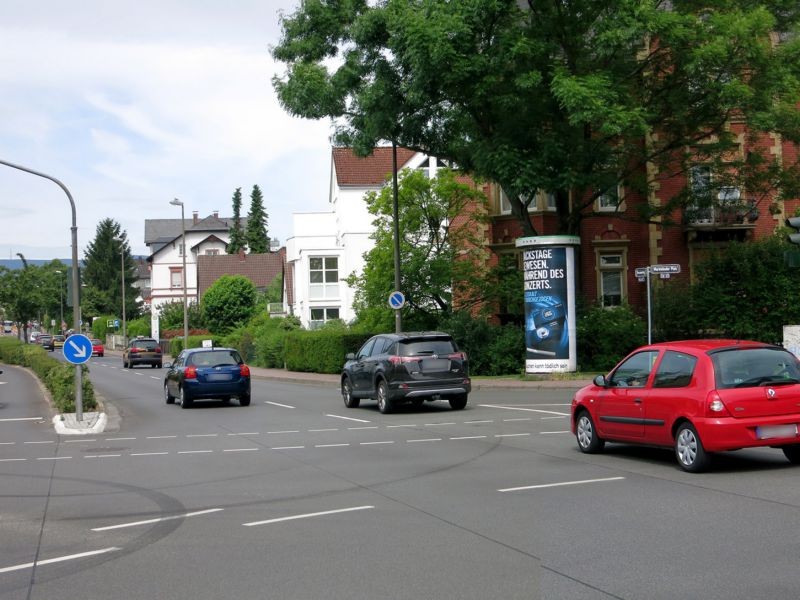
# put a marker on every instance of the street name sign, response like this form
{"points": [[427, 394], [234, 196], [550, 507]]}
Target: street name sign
{"points": [[671, 269]]}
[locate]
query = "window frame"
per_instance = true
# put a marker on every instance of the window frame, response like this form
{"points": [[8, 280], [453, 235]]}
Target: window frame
{"points": [[329, 290], [621, 269]]}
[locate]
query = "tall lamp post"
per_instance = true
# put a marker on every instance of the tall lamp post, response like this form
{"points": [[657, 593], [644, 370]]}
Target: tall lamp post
{"points": [[177, 202], [122, 271], [61, 301]]}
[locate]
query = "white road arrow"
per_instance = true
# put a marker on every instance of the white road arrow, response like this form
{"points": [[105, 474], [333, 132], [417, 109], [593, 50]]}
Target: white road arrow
{"points": [[79, 351]]}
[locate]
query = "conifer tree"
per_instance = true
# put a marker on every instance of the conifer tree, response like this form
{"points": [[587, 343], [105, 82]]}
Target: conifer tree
{"points": [[256, 230], [237, 235]]}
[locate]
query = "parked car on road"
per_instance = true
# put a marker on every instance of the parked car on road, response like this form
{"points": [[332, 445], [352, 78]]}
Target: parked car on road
{"points": [[98, 349], [200, 373], [142, 351], [46, 341], [397, 368], [58, 341], [698, 397]]}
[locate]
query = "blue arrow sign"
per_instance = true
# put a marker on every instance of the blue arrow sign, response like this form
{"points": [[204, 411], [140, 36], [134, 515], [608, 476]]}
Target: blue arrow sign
{"points": [[397, 300], [77, 349]]}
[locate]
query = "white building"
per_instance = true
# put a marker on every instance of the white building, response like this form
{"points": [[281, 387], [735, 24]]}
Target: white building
{"points": [[327, 247], [208, 236]]}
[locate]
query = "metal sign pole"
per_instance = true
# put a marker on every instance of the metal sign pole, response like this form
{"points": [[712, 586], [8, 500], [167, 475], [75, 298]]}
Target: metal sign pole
{"points": [[649, 314]]}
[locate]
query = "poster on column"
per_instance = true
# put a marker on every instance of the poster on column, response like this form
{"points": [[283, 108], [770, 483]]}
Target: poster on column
{"points": [[549, 294]]}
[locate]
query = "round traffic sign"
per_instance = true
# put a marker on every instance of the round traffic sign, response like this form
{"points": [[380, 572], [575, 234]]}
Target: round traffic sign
{"points": [[397, 300], [77, 349]]}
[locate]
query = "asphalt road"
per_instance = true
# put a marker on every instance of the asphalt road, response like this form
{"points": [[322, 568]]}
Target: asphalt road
{"points": [[297, 497]]}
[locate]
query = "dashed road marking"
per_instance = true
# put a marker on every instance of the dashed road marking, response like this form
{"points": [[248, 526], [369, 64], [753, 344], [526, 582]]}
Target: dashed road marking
{"points": [[549, 485], [158, 520], [306, 516], [277, 404], [49, 561]]}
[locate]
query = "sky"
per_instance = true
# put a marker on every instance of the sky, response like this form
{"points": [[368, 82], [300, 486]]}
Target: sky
{"points": [[132, 103]]}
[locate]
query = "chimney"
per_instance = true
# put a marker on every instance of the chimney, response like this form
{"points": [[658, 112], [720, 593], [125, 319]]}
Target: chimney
{"points": [[216, 214], [241, 254], [194, 217]]}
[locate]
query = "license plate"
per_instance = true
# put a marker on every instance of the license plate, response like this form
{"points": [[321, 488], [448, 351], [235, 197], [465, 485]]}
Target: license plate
{"points": [[776, 431], [219, 377]]}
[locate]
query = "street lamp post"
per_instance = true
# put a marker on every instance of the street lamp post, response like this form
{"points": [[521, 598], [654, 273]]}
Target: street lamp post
{"points": [[177, 202], [122, 270], [61, 301]]}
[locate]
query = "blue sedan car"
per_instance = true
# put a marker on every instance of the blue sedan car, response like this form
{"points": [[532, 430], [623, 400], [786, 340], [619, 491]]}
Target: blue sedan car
{"points": [[201, 373]]}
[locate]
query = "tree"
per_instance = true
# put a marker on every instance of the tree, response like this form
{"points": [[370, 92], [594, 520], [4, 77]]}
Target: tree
{"points": [[102, 273], [237, 241], [438, 256], [229, 302], [256, 232], [573, 97], [170, 315]]}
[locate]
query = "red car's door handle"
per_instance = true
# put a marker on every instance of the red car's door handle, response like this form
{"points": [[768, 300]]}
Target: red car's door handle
{"points": [[637, 400]]}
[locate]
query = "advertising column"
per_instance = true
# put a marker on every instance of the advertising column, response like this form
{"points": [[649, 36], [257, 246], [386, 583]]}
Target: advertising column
{"points": [[549, 288]]}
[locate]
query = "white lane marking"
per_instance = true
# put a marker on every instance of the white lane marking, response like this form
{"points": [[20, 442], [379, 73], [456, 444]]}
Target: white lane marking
{"points": [[546, 404], [549, 412], [195, 452], [374, 443], [119, 439], [247, 433], [520, 419], [287, 447], [12, 459], [511, 434], [425, 440], [149, 521], [49, 561], [434, 424], [241, 450], [160, 437], [317, 430], [77, 441], [307, 515], [7, 443], [558, 417], [202, 435], [138, 374], [349, 428], [286, 431], [151, 377], [20, 418], [48, 442], [149, 453], [469, 437], [277, 404], [102, 456], [349, 418], [471, 422], [546, 432], [54, 458], [549, 485], [396, 426], [329, 445]]}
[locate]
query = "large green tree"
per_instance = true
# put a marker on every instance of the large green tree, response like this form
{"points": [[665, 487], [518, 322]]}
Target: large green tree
{"points": [[106, 257], [438, 256], [34, 293], [256, 231], [237, 241], [574, 97]]}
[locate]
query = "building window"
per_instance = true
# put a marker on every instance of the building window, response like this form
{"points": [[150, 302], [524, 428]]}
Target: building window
{"points": [[610, 201], [176, 278], [212, 252], [505, 203], [323, 277], [320, 316], [549, 201], [611, 268]]}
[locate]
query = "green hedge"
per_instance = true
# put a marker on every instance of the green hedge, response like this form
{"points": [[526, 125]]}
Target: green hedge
{"points": [[605, 335], [59, 378], [321, 351], [195, 341]]}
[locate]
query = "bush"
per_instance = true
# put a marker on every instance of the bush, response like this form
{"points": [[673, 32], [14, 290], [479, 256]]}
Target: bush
{"points": [[322, 350], [139, 327], [195, 341], [230, 302], [605, 335], [100, 326], [58, 378], [491, 350]]}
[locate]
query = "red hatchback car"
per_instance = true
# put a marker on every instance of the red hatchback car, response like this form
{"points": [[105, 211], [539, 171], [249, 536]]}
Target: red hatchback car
{"points": [[697, 396]]}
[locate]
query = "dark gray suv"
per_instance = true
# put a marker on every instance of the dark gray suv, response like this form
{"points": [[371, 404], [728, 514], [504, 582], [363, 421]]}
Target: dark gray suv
{"points": [[397, 368]]}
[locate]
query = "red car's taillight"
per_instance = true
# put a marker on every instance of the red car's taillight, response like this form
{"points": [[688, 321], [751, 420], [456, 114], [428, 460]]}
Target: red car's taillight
{"points": [[457, 356], [715, 407], [398, 360], [190, 372], [244, 370]]}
